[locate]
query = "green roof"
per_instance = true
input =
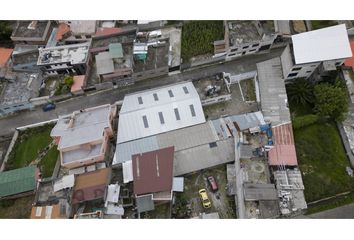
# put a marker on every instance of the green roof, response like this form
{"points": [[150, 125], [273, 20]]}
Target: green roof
{"points": [[115, 50], [17, 181]]}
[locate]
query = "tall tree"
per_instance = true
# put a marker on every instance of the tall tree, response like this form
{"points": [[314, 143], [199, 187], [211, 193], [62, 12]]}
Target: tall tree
{"points": [[300, 91], [5, 31], [330, 101]]}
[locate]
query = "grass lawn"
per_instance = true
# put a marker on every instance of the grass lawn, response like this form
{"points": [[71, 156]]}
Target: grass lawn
{"points": [[47, 163], [322, 160], [337, 202], [317, 24], [16, 208], [27, 147], [198, 37]]}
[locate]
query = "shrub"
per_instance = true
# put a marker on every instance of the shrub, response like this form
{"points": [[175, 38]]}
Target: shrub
{"points": [[69, 80]]}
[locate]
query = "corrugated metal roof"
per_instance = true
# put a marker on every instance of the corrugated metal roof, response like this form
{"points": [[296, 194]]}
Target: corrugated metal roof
{"points": [[115, 50], [178, 184], [320, 45], [17, 181], [284, 152], [272, 92], [149, 104], [124, 151], [152, 171], [113, 193], [67, 181], [127, 171]]}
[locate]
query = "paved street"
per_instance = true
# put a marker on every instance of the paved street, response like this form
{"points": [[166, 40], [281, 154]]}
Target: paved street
{"points": [[244, 64]]}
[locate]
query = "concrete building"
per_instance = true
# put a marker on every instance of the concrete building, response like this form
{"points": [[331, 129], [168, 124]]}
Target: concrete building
{"points": [[83, 136], [243, 38], [65, 59], [32, 32], [323, 50], [24, 58]]}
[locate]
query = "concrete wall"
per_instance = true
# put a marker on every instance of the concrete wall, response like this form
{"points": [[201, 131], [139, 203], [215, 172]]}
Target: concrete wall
{"points": [[210, 101], [8, 109], [305, 71], [150, 73], [12, 144], [39, 101]]}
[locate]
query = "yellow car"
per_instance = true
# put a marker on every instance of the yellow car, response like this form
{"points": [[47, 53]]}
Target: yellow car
{"points": [[204, 197]]}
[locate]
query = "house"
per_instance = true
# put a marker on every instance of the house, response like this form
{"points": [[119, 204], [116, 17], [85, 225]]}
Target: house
{"points": [[59, 210], [243, 38], [83, 136], [91, 186], [153, 177], [67, 59], [76, 31], [32, 32], [322, 50], [18, 183]]}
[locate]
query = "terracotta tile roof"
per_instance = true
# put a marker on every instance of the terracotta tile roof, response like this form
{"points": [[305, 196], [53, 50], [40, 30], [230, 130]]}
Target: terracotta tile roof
{"points": [[284, 152], [62, 30], [153, 171], [107, 31], [78, 83], [91, 185], [350, 62], [5, 54]]}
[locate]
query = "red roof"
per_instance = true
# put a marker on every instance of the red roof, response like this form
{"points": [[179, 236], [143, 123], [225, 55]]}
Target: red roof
{"points": [[350, 62], [283, 152], [62, 30], [153, 171], [78, 83], [107, 31], [5, 54], [91, 185]]}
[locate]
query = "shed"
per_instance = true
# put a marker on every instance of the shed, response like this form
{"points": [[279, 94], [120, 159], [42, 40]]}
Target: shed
{"points": [[17, 181], [115, 50]]}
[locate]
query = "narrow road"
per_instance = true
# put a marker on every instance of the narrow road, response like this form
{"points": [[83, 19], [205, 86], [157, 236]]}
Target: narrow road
{"points": [[244, 64]]}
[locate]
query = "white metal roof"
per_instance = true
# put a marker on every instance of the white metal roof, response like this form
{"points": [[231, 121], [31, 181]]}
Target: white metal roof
{"points": [[178, 184], [320, 45], [113, 193], [65, 182], [127, 171], [154, 111]]}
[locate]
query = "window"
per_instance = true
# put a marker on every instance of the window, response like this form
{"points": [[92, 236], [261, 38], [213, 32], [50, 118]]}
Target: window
{"points": [[230, 55], [338, 63], [88, 36], [243, 53], [146, 125], [170, 93], [265, 47], [308, 71], [192, 110], [296, 69], [313, 65], [253, 50], [177, 114], [212, 144], [255, 45], [245, 47], [140, 100], [156, 97], [185, 89], [234, 50], [162, 120], [292, 74]]}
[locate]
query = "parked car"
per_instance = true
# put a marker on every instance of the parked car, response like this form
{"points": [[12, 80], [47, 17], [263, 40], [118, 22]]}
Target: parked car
{"points": [[212, 183], [204, 198], [48, 107]]}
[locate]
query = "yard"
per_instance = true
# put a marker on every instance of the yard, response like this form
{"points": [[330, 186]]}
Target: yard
{"points": [[198, 37], [29, 145], [188, 203], [16, 208], [321, 156]]}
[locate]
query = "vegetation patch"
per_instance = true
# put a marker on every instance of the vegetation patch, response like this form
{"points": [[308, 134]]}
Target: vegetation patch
{"points": [[16, 208], [318, 24], [198, 38]]}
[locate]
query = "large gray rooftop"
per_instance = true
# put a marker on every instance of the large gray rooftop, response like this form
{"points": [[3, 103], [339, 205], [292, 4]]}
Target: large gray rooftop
{"points": [[30, 30], [274, 101]]}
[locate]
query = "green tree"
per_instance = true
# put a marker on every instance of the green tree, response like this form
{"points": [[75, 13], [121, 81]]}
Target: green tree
{"points": [[330, 101], [300, 91], [69, 80], [5, 31]]}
